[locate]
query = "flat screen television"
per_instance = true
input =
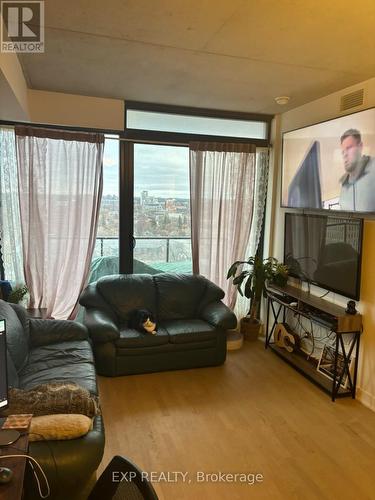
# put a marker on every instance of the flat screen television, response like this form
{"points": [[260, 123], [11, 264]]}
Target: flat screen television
{"points": [[331, 165], [325, 250]]}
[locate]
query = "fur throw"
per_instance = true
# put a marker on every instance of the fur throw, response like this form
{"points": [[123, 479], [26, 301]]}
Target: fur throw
{"points": [[52, 398]]}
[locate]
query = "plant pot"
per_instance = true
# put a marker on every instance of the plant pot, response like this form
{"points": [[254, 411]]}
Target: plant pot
{"points": [[250, 328]]}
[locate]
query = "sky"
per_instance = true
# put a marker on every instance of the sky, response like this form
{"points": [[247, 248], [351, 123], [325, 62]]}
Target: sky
{"points": [[163, 171]]}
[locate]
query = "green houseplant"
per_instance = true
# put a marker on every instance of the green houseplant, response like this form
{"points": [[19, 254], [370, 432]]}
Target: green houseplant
{"points": [[17, 294], [250, 282]]}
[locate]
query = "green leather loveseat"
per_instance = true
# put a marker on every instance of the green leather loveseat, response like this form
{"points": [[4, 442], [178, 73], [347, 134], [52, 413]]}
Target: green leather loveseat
{"points": [[191, 322], [41, 351]]}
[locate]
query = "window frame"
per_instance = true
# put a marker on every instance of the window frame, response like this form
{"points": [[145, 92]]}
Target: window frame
{"points": [[139, 135], [126, 154]]}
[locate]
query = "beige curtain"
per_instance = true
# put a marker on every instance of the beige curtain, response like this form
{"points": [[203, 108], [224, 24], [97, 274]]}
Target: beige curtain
{"points": [[60, 186], [242, 305], [222, 178]]}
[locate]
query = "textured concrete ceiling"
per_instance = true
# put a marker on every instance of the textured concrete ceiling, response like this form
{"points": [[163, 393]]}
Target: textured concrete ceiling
{"points": [[236, 54]]}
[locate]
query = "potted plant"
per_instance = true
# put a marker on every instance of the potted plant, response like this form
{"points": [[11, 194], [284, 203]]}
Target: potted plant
{"points": [[254, 279], [17, 294]]}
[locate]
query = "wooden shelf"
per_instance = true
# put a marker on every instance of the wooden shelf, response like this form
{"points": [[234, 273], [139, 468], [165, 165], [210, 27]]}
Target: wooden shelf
{"points": [[341, 321], [311, 300]]}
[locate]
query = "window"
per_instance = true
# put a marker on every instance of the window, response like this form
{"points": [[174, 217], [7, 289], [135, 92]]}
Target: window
{"points": [[106, 252], [167, 122], [178, 124], [162, 227]]}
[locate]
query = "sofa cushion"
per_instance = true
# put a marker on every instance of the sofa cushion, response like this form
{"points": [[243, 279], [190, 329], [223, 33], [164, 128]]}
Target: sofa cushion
{"points": [[165, 348], [212, 293], [132, 338], [178, 295], [13, 379], [126, 292], [192, 330], [17, 339], [24, 319], [65, 361]]}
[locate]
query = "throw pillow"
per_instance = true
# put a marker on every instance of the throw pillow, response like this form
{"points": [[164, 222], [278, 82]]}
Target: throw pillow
{"points": [[58, 427]]}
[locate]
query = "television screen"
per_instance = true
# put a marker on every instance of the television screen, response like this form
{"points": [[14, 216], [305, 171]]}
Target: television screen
{"points": [[325, 250], [331, 165]]}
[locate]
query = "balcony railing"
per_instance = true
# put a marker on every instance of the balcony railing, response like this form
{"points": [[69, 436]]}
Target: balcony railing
{"points": [[146, 252]]}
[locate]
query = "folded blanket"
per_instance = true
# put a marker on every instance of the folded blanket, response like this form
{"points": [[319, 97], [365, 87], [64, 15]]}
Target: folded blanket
{"points": [[52, 398]]}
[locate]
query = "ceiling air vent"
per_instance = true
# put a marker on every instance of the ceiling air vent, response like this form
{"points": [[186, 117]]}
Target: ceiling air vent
{"points": [[351, 100]]}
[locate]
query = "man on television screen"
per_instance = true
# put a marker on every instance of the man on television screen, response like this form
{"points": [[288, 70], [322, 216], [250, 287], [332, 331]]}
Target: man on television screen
{"points": [[358, 182]]}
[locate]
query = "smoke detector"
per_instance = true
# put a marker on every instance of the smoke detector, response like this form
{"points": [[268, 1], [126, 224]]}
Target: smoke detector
{"points": [[282, 100]]}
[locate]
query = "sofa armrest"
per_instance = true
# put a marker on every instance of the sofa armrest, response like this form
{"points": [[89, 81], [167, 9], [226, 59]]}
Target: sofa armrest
{"points": [[50, 331], [219, 315], [101, 327]]}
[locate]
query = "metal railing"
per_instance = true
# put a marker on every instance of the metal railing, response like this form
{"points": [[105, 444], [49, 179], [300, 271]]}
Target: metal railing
{"points": [[102, 239]]}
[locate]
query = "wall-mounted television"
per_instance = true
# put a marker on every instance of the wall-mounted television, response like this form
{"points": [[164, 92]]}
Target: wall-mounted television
{"points": [[325, 250], [331, 165]]}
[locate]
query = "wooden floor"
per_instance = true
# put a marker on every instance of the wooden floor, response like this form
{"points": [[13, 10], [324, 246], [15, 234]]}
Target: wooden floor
{"points": [[253, 415]]}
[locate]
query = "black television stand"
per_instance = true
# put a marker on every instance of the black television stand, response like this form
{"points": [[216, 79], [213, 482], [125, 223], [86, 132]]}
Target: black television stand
{"points": [[328, 315]]}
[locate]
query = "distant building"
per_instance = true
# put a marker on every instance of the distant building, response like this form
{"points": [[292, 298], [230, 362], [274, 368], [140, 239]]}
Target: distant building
{"points": [[170, 205], [110, 201], [144, 197]]}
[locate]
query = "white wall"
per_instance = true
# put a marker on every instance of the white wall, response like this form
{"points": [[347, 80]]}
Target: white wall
{"points": [[18, 103], [323, 109], [56, 108], [13, 89]]}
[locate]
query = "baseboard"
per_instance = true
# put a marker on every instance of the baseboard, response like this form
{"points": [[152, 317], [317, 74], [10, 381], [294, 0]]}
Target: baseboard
{"points": [[366, 398]]}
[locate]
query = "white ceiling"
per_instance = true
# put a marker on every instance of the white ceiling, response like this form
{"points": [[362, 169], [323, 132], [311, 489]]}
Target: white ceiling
{"points": [[235, 55]]}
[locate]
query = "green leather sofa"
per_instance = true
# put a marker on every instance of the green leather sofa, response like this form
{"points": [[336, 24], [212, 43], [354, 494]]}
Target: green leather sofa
{"points": [[41, 351], [191, 322]]}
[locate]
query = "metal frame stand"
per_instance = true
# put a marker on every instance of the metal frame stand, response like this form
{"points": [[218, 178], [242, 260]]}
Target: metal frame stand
{"points": [[346, 351]]}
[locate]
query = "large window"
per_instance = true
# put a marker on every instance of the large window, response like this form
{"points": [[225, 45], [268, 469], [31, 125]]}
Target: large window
{"points": [[162, 227], [106, 253]]}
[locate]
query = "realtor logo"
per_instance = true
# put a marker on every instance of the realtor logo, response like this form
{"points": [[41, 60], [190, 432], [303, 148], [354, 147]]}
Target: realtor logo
{"points": [[24, 26]]}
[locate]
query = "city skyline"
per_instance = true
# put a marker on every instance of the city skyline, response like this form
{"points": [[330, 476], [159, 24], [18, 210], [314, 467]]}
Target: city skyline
{"points": [[163, 171]]}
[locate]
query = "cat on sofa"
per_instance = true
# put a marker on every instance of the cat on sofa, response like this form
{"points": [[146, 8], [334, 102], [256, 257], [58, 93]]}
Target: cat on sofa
{"points": [[142, 320]]}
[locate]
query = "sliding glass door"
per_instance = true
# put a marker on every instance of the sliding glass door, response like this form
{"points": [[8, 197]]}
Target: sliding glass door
{"points": [[105, 259], [161, 209]]}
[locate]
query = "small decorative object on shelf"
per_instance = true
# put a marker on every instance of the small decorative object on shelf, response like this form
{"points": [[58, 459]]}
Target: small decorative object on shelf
{"points": [[255, 277], [350, 307], [326, 364]]}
